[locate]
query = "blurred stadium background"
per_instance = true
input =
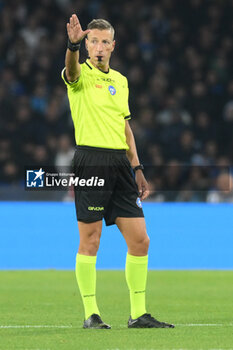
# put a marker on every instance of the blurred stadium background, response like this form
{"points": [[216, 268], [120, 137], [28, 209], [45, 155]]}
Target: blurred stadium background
{"points": [[177, 55], [178, 58]]}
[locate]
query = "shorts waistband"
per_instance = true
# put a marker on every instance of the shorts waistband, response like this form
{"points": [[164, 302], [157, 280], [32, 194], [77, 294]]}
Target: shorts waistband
{"points": [[100, 149]]}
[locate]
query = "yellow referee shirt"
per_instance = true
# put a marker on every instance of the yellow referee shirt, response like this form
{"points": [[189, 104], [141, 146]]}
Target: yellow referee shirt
{"points": [[99, 107]]}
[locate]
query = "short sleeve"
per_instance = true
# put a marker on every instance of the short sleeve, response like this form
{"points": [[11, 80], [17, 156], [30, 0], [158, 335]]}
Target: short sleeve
{"points": [[127, 115], [68, 83]]}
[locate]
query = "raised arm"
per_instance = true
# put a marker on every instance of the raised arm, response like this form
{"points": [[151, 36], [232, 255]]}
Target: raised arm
{"points": [[132, 155], [75, 35]]}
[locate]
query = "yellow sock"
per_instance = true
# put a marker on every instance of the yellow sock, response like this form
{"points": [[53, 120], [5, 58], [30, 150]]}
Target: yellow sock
{"points": [[136, 276], [86, 278]]}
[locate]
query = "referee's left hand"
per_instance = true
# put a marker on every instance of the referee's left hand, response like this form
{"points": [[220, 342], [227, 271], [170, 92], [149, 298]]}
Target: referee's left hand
{"points": [[142, 184]]}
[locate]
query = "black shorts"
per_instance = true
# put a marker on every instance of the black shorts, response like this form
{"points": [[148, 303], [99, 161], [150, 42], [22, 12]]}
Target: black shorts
{"points": [[108, 189]]}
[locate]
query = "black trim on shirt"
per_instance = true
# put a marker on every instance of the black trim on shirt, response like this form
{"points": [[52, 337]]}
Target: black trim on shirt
{"points": [[127, 117], [104, 71], [98, 68], [69, 82], [88, 65]]}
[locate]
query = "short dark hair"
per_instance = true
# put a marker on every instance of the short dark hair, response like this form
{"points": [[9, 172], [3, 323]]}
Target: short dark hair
{"points": [[101, 24]]}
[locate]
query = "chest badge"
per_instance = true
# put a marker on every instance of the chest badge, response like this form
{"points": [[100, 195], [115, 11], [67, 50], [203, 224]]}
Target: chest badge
{"points": [[112, 90]]}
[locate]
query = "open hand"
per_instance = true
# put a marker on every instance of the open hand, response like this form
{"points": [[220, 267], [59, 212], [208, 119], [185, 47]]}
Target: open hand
{"points": [[74, 30]]}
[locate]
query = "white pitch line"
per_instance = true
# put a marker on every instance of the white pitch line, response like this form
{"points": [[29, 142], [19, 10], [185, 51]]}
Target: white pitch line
{"points": [[35, 326], [171, 349], [122, 325], [203, 324], [197, 325]]}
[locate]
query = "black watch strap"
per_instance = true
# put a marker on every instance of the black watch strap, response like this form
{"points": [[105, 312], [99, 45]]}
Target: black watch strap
{"points": [[138, 167], [73, 46]]}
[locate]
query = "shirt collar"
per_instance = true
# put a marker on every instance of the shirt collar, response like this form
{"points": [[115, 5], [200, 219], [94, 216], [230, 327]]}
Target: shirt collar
{"points": [[98, 70]]}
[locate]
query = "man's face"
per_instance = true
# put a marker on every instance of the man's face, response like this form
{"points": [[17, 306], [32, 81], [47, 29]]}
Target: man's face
{"points": [[100, 45]]}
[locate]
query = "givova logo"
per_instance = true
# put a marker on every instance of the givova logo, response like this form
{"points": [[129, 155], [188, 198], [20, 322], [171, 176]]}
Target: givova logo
{"points": [[96, 208], [35, 178]]}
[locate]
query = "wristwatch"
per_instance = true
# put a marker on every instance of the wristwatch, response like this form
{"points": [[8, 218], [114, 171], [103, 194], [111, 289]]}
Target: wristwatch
{"points": [[138, 167]]}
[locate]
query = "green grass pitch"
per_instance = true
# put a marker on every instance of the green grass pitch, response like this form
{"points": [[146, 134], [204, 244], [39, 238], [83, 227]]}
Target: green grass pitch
{"points": [[42, 310]]}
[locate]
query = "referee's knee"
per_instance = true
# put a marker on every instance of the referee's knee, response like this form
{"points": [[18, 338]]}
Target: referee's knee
{"points": [[139, 246], [144, 243], [89, 244]]}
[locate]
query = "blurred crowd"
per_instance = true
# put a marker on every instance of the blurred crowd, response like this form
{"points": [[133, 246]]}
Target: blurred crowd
{"points": [[177, 56]]}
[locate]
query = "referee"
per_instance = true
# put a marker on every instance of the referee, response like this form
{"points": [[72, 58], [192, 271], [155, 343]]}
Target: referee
{"points": [[106, 151]]}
